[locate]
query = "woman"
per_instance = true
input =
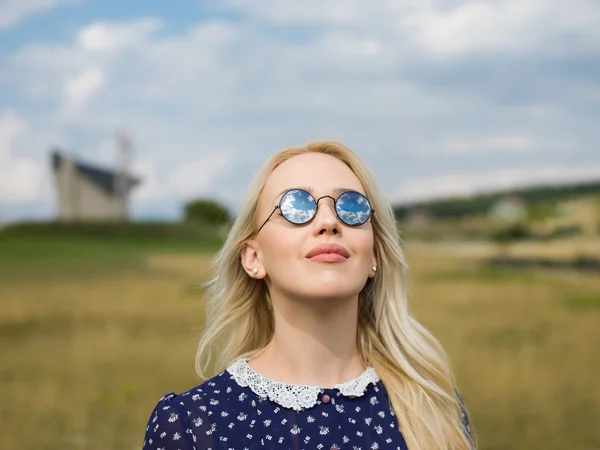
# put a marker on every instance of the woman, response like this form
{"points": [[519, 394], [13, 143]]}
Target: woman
{"points": [[308, 327]]}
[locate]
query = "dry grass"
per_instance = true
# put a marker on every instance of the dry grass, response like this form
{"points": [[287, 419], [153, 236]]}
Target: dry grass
{"points": [[524, 345], [84, 359]]}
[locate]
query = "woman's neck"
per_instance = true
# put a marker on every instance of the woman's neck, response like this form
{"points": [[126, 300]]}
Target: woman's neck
{"points": [[314, 343]]}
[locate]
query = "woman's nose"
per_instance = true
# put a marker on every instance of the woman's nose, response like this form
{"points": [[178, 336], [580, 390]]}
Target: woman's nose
{"points": [[326, 220]]}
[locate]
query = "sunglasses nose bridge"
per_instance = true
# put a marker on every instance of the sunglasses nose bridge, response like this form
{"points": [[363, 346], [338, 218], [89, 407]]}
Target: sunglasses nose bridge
{"points": [[317, 208], [325, 196]]}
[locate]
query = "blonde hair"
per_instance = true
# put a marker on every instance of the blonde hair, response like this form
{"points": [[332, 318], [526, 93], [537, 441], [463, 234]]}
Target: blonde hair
{"points": [[410, 362]]}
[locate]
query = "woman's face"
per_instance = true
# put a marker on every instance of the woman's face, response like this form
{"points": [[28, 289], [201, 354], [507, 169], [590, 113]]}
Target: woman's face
{"points": [[282, 251]]}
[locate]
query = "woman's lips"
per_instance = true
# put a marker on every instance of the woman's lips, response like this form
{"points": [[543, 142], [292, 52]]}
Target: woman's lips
{"points": [[328, 253], [328, 257]]}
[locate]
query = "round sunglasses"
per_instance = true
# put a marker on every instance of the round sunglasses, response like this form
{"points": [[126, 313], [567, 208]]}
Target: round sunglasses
{"points": [[299, 207]]}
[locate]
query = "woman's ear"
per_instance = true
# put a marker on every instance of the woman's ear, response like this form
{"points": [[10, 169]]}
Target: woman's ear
{"points": [[251, 261], [374, 267]]}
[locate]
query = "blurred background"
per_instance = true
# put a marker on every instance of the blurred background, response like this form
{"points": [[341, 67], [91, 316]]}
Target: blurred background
{"points": [[130, 131]]}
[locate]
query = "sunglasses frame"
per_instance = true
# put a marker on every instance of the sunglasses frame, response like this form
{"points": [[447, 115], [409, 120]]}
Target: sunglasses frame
{"points": [[335, 200]]}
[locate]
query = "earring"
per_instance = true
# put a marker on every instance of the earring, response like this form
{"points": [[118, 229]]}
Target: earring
{"points": [[374, 268], [255, 271]]}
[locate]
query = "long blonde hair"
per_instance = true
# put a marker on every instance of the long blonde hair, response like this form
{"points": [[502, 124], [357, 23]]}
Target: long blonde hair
{"points": [[410, 362]]}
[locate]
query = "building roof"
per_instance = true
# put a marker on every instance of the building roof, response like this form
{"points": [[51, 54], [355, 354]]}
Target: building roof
{"points": [[103, 178]]}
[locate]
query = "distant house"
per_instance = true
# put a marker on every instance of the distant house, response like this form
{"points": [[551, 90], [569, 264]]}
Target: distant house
{"points": [[86, 192], [419, 217], [508, 209]]}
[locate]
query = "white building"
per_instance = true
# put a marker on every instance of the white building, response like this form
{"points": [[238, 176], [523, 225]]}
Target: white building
{"points": [[508, 209], [86, 192]]}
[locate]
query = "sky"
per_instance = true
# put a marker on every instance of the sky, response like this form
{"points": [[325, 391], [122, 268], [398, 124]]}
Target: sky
{"points": [[439, 97]]}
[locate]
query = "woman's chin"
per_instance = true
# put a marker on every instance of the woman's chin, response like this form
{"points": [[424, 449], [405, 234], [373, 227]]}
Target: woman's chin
{"points": [[330, 288]]}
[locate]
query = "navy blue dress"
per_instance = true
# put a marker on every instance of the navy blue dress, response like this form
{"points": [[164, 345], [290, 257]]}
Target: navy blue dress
{"points": [[241, 409]]}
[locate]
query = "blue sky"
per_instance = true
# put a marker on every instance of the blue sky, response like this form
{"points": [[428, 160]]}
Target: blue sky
{"points": [[440, 97]]}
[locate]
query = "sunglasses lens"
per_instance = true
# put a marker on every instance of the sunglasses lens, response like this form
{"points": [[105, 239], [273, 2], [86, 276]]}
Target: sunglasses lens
{"points": [[298, 206], [353, 208]]}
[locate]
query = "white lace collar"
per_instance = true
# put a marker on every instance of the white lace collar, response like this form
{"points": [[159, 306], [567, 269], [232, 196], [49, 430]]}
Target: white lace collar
{"points": [[295, 396]]}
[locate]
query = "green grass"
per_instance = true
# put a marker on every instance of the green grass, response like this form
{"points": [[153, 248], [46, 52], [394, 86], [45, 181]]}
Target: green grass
{"points": [[482, 274], [512, 337], [23, 247], [41, 258], [583, 302]]}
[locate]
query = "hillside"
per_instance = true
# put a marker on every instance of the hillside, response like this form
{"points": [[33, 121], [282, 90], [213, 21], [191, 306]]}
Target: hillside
{"points": [[539, 213], [457, 207]]}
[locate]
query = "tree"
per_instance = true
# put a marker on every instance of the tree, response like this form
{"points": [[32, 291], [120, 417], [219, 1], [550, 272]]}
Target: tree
{"points": [[207, 211]]}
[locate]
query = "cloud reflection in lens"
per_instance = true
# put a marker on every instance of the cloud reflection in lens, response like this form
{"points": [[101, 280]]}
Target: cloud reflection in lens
{"points": [[298, 206], [353, 208]]}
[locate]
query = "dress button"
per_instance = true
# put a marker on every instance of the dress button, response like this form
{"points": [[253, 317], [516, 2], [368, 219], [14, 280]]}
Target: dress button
{"points": [[325, 398]]}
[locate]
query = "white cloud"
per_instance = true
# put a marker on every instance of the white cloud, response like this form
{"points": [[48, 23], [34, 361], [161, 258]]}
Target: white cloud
{"points": [[19, 176], [107, 37], [13, 12], [515, 25], [475, 25], [151, 189], [457, 184], [440, 28], [186, 180], [488, 144], [183, 68], [81, 88], [11, 126], [195, 177], [334, 12]]}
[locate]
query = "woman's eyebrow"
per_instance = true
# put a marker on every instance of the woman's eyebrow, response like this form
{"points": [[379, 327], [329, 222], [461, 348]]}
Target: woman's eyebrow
{"points": [[341, 190], [336, 191]]}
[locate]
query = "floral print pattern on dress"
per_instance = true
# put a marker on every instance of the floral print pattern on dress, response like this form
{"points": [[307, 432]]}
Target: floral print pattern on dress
{"points": [[222, 414]]}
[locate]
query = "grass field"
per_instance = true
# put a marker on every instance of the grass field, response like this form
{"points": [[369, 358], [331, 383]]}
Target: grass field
{"points": [[92, 333]]}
